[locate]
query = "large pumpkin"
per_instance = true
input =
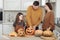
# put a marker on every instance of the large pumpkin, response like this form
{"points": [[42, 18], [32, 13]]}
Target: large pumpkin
{"points": [[13, 34], [21, 32], [47, 33], [30, 31], [38, 33]]}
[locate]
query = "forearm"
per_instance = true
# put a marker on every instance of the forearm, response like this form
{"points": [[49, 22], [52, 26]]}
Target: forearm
{"points": [[28, 19]]}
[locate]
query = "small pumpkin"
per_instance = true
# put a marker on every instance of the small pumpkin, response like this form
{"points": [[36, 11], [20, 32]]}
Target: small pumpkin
{"points": [[13, 34], [21, 32], [47, 33], [30, 31], [38, 33]]}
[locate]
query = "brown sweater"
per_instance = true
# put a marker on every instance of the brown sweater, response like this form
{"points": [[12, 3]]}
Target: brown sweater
{"points": [[34, 17], [48, 21]]}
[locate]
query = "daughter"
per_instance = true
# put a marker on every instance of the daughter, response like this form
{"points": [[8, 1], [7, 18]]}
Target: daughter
{"points": [[19, 22]]}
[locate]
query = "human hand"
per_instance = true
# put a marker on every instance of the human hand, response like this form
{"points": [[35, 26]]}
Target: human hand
{"points": [[49, 28]]}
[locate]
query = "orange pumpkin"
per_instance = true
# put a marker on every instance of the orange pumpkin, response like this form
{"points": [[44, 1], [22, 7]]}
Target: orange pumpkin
{"points": [[13, 34], [47, 33], [30, 31], [38, 33], [21, 32]]}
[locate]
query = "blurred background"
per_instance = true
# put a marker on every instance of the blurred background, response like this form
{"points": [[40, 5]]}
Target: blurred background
{"points": [[9, 9]]}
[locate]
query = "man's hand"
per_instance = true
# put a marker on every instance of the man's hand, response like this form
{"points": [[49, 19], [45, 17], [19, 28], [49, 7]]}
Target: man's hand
{"points": [[34, 26], [30, 26]]}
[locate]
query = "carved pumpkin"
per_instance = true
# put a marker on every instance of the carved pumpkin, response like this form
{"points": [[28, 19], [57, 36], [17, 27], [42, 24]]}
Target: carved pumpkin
{"points": [[21, 32], [38, 33], [30, 31], [47, 33], [13, 34]]}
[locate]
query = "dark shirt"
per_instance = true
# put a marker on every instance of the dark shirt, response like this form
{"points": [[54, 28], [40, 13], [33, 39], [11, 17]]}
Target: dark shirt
{"points": [[22, 23]]}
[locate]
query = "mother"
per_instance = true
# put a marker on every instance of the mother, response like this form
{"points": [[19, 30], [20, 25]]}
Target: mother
{"points": [[49, 18]]}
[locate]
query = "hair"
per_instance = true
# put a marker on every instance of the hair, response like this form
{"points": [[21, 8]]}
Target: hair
{"points": [[49, 5], [26, 28], [17, 19], [36, 3]]}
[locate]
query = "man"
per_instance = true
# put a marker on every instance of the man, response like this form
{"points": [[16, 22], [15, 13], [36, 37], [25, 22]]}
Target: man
{"points": [[34, 15]]}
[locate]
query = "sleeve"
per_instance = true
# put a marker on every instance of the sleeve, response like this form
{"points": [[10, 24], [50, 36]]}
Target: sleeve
{"points": [[52, 25], [28, 16], [40, 19], [23, 23]]}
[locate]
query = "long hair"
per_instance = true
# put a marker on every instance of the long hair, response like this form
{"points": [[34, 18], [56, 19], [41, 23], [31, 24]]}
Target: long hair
{"points": [[17, 19], [49, 5]]}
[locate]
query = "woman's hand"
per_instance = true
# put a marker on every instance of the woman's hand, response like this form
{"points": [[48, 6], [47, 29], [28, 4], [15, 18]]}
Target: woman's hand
{"points": [[49, 28]]}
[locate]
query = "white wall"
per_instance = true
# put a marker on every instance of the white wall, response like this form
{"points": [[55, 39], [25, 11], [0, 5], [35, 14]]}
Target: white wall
{"points": [[12, 4], [0, 29], [1, 4], [1, 7], [57, 8]]}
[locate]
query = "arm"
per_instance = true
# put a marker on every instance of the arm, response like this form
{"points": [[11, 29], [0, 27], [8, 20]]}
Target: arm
{"points": [[28, 16], [52, 21]]}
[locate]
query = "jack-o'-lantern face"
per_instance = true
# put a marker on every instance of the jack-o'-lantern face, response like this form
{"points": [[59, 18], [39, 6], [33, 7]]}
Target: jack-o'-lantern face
{"points": [[21, 32], [29, 31]]}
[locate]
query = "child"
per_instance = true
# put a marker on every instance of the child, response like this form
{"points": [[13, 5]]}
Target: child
{"points": [[19, 21]]}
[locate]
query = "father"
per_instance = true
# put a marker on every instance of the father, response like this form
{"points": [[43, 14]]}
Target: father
{"points": [[34, 15]]}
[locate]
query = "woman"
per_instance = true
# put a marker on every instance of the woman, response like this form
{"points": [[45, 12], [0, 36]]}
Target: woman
{"points": [[19, 22], [49, 18]]}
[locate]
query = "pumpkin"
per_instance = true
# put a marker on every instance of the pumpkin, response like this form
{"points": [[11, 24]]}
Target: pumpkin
{"points": [[38, 33], [13, 34], [49, 38], [30, 31], [47, 33], [21, 32]]}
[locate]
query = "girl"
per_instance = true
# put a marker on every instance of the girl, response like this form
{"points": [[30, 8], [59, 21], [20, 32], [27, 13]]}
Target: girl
{"points": [[49, 18], [19, 22]]}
